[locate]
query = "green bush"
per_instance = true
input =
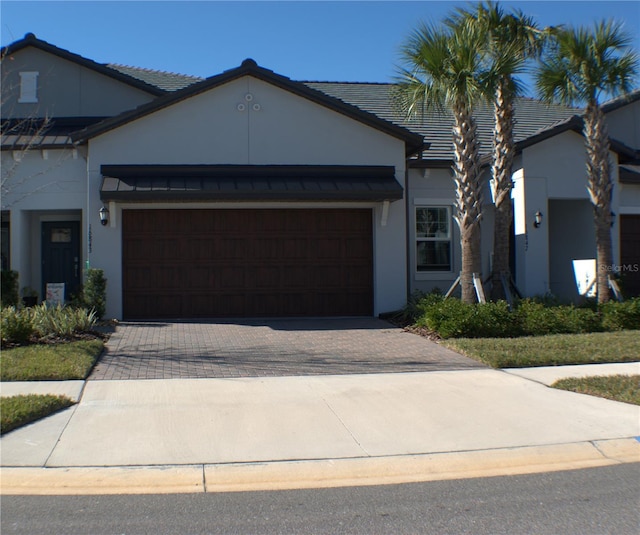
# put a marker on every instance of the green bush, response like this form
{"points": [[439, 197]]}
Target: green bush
{"points": [[9, 288], [621, 316], [16, 325], [95, 292], [61, 321], [451, 318], [534, 319], [417, 305]]}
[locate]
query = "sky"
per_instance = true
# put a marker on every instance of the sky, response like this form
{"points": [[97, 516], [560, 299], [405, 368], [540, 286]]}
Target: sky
{"points": [[354, 41]]}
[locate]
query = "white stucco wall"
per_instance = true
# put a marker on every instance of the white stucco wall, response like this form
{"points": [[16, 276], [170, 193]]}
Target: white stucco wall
{"points": [[624, 124], [552, 171], [49, 186], [629, 199], [287, 129]]}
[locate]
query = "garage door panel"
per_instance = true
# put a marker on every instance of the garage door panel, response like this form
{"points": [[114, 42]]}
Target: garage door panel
{"points": [[201, 249], [217, 263], [329, 248], [141, 278], [266, 249], [295, 276], [266, 277], [169, 277], [230, 277], [295, 248]]}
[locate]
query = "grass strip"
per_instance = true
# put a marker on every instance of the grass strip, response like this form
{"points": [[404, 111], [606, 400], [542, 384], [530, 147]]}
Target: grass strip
{"points": [[50, 362], [551, 350], [20, 410], [625, 388]]}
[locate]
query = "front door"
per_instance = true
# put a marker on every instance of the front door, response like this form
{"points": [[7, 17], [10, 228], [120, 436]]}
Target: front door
{"points": [[61, 256]]}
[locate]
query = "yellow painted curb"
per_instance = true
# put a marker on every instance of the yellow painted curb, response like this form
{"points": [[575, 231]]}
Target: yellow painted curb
{"points": [[411, 468], [317, 473], [102, 480], [626, 450]]}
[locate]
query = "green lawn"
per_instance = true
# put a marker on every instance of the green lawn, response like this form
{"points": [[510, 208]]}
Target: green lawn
{"points": [[550, 350], [20, 410], [50, 362], [624, 388]]}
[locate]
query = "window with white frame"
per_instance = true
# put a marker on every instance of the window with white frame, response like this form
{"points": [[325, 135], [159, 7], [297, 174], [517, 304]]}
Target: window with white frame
{"points": [[433, 238]]}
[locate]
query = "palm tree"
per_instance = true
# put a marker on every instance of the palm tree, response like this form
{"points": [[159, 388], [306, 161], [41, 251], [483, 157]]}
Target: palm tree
{"points": [[442, 73], [581, 67], [511, 40]]}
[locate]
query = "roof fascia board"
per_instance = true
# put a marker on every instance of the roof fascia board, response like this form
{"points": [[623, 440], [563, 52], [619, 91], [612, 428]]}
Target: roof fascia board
{"points": [[424, 163], [575, 124], [30, 40], [621, 101]]}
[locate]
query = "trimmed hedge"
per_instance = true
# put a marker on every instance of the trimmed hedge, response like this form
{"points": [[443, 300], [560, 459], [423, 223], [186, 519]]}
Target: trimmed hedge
{"points": [[451, 318]]}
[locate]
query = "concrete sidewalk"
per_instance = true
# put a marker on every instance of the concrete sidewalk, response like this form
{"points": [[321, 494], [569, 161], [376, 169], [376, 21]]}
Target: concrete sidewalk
{"points": [[199, 435]]}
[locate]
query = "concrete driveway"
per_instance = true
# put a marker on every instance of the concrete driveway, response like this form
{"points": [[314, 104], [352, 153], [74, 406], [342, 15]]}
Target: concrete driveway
{"points": [[268, 348]]}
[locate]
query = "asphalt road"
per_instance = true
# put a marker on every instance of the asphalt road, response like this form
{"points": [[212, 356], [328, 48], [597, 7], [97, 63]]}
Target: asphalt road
{"points": [[581, 502]]}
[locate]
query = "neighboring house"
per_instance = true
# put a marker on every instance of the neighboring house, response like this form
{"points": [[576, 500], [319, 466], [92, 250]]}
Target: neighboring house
{"points": [[250, 194]]}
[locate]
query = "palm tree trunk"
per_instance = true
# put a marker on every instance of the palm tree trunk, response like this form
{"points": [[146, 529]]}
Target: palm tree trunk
{"points": [[468, 196], [503, 152], [600, 190]]}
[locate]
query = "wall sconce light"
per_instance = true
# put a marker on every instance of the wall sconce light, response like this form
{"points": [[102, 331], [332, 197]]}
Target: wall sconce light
{"points": [[104, 215], [538, 219]]}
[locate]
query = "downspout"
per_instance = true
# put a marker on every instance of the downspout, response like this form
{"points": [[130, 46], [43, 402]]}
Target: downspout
{"points": [[407, 209], [87, 236], [407, 232]]}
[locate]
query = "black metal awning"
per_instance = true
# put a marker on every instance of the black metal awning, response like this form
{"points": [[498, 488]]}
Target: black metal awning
{"points": [[161, 183]]}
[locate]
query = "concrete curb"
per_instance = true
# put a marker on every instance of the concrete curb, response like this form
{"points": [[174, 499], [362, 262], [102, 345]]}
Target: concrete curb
{"points": [[322, 473]]}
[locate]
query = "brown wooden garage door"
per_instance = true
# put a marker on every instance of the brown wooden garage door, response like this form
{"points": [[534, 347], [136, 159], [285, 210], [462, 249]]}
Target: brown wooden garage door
{"points": [[247, 263], [630, 254]]}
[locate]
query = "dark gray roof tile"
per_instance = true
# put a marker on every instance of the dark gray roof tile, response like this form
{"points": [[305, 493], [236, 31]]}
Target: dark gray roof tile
{"points": [[167, 81]]}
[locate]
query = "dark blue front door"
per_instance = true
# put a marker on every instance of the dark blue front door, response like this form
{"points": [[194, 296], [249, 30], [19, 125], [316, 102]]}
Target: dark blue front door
{"points": [[61, 255]]}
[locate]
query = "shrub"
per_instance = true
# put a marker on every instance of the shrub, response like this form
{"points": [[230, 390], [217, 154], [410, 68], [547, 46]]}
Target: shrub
{"points": [[451, 318], [61, 321], [534, 318], [16, 325], [9, 288], [619, 316], [95, 292], [417, 305]]}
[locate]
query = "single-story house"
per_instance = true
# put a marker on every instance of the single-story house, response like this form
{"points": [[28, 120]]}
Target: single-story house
{"points": [[251, 194]]}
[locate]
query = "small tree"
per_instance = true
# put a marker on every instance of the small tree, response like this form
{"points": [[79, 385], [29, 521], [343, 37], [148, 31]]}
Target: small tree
{"points": [[582, 66], [443, 73], [511, 40], [94, 294], [9, 291]]}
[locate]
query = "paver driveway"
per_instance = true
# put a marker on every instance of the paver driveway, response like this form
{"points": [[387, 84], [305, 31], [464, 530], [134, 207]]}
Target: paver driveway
{"points": [[261, 348]]}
